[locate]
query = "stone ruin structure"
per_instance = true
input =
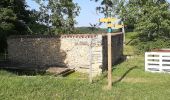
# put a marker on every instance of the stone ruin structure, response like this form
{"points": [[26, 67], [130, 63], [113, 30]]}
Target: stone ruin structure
{"points": [[75, 51]]}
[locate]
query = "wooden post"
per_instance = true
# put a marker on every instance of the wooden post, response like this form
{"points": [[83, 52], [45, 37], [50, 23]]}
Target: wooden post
{"points": [[109, 61], [109, 20], [90, 69], [123, 31], [109, 41]]}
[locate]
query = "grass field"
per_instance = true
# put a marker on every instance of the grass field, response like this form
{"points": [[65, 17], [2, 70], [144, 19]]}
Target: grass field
{"points": [[130, 82]]}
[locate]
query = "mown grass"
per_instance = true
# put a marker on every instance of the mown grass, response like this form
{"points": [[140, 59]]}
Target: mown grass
{"points": [[130, 82]]}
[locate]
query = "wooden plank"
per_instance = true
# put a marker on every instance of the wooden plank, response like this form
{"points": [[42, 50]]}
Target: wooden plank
{"points": [[109, 61], [165, 58], [152, 53], [165, 62], [150, 58], [152, 62]]}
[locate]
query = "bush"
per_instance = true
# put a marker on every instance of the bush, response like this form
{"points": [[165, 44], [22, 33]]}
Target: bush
{"points": [[144, 46]]}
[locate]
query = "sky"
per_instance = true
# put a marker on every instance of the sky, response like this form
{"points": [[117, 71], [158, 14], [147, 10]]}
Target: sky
{"points": [[87, 13]]}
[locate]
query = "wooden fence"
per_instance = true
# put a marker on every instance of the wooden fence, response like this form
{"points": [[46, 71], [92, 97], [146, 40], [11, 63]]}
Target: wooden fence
{"points": [[157, 61]]}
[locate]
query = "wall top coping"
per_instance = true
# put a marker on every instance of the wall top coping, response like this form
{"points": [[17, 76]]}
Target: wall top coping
{"points": [[62, 36]]}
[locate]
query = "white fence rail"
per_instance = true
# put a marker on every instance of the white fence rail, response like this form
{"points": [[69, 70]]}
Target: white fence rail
{"points": [[157, 61]]}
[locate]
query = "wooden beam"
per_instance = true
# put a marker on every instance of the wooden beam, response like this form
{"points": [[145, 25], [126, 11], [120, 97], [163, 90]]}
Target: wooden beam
{"points": [[109, 61], [90, 69]]}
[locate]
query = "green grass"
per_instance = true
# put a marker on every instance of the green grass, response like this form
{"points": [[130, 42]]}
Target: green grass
{"points": [[130, 82], [134, 85], [129, 49]]}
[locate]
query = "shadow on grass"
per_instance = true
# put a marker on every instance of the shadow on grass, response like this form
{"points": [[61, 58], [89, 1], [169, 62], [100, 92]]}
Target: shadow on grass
{"points": [[118, 80], [130, 41], [104, 75], [23, 72], [124, 75], [18, 69]]}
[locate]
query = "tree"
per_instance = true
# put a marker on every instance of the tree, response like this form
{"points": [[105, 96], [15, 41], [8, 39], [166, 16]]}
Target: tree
{"points": [[13, 18], [114, 5], [34, 26], [58, 15], [150, 18], [13, 15]]}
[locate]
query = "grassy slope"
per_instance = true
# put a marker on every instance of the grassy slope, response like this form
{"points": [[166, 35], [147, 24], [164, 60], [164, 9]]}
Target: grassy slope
{"points": [[130, 82]]}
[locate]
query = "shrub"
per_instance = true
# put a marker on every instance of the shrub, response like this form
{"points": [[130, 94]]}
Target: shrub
{"points": [[143, 46]]}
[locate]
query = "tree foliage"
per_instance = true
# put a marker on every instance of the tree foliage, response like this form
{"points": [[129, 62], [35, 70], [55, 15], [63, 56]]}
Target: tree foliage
{"points": [[154, 21], [13, 14], [149, 18], [58, 15], [13, 19], [114, 5]]}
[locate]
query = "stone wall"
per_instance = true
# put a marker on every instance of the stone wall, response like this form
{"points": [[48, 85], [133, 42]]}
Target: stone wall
{"points": [[117, 48], [73, 51]]}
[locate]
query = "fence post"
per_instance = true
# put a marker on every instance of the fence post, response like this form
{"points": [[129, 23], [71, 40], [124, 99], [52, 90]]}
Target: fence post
{"points": [[146, 63], [160, 62], [90, 69]]}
